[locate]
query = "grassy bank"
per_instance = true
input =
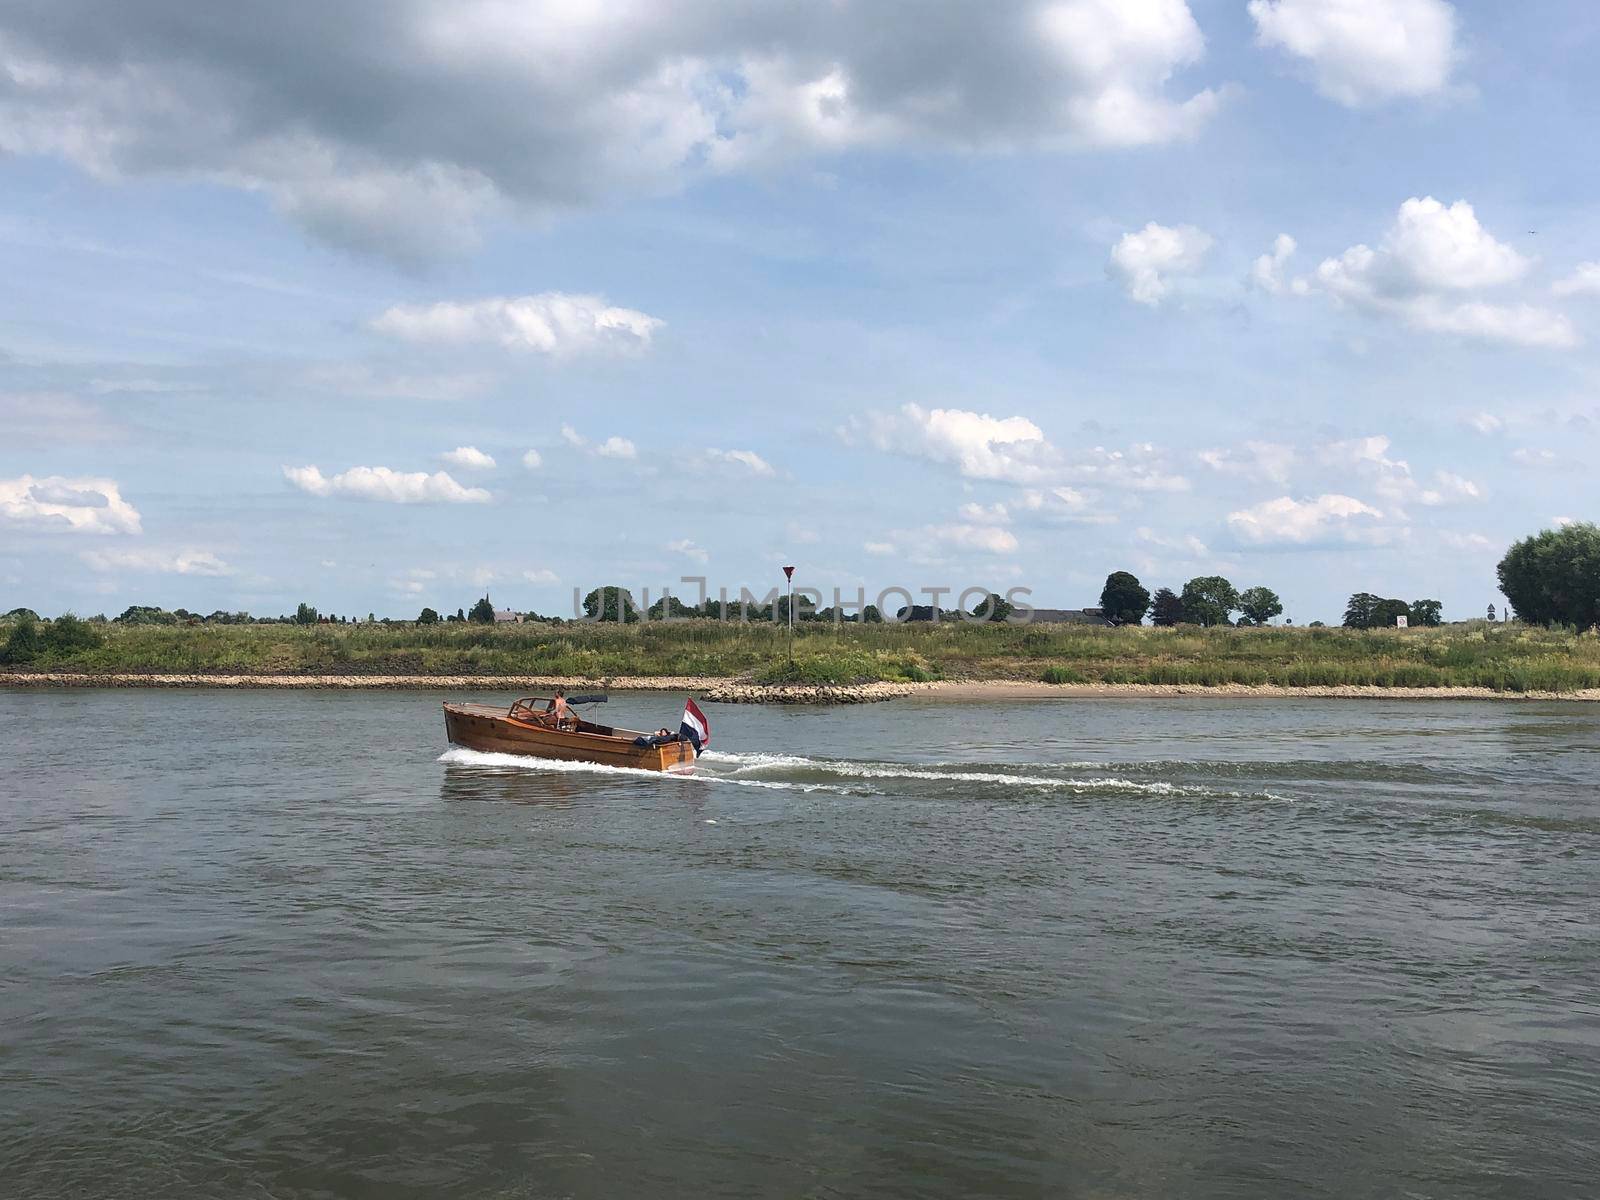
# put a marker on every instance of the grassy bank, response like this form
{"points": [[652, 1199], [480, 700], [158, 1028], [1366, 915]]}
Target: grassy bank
{"points": [[1510, 658]]}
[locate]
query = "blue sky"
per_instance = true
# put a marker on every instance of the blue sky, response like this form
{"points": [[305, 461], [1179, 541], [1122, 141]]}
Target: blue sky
{"points": [[925, 295]]}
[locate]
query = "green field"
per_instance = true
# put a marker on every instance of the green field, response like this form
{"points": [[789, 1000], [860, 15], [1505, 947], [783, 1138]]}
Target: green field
{"points": [[1507, 657]]}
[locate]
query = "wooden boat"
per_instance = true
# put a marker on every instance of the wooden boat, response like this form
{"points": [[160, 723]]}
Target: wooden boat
{"points": [[526, 729]]}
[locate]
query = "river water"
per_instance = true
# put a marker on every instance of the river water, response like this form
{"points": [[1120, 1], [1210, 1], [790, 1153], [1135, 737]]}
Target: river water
{"points": [[282, 944]]}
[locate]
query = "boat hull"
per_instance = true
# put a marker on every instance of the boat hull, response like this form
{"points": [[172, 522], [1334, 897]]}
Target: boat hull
{"points": [[480, 727]]}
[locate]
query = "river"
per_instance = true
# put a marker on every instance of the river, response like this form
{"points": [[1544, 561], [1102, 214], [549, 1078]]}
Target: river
{"points": [[284, 944]]}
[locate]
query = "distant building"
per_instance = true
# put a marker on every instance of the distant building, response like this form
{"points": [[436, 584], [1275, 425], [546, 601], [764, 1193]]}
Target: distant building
{"points": [[504, 616], [1069, 616]]}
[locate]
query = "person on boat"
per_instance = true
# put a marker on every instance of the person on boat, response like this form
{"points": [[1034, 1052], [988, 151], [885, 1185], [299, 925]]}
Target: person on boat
{"points": [[559, 713]]}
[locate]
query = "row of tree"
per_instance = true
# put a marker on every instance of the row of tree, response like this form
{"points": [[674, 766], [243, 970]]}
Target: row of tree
{"points": [[1205, 600], [1364, 610]]}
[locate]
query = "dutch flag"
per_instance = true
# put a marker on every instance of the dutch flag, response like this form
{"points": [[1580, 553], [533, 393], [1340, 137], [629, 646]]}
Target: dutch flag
{"points": [[695, 727]]}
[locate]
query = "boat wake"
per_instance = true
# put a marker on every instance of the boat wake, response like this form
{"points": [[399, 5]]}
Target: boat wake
{"points": [[851, 777]]}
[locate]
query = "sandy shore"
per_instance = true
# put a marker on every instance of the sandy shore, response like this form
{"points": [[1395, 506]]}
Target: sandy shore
{"points": [[734, 691]]}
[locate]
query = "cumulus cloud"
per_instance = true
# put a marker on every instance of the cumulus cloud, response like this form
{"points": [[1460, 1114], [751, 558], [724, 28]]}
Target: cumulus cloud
{"points": [[1012, 450], [747, 459], [403, 123], [1270, 461], [1329, 518], [1429, 260], [1364, 52], [978, 445], [616, 447], [540, 575], [381, 483], [689, 549], [983, 539], [880, 549], [554, 323], [468, 457], [158, 562], [1266, 272], [1143, 262], [68, 505], [1391, 478], [533, 460], [1584, 281]]}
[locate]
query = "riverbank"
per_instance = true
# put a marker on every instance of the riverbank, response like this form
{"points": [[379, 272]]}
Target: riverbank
{"points": [[829, 662], [739, 691]]}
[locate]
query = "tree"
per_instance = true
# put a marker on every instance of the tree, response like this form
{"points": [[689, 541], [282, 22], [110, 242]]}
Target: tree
{"points": [[1124, 600], [610, 604], [21, 614], [1426, 612], [994, 608], [67, 634], [1166, 608], [305, 615], [24, 644], [1260, 605], [427, 617], [1553, 578], [145, 614], [482, 612], [1359, 610], [1385, 614], [1208, 599]]}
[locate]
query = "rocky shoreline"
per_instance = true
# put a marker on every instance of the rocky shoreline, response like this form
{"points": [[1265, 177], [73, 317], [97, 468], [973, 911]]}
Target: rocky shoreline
{"points": [[736, 691]]}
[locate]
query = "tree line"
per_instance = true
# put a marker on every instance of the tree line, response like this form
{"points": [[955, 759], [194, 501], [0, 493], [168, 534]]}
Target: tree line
{"points": [[1205, 600]]}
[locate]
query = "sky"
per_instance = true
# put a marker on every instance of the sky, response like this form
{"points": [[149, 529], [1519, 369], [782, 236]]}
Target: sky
{"points": [[396, 303]]}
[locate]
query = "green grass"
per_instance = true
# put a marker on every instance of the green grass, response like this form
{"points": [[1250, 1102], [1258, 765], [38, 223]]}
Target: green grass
{"points": [[1510, 658]]}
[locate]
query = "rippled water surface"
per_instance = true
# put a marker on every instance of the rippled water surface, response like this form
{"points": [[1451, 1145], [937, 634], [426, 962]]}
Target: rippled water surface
{"points": [[261, 944]]}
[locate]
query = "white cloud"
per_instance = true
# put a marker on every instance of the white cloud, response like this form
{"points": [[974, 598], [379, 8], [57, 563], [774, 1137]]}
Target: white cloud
{"points": [[880, 549], [69, 505], [1267, 271], [992, 514], [567, 103], [1391, 478], [1363, 52], [159, 562], [469, 457], [1584, 281], [1270, 461], [985, 539], [1012, 450], [616, 447], [572, 437], [541, 575], [1486, 423], [748, 459], [1142, 262], [1429, 258], [1562, 522], [553, 323], [688, 549], [381, 483], [1140, 468], [533, 460], [1325, 519], [978, 445]]}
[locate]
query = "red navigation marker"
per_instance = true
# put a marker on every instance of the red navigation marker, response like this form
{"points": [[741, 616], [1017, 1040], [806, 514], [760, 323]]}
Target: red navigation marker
{"points": [[788, 573]]}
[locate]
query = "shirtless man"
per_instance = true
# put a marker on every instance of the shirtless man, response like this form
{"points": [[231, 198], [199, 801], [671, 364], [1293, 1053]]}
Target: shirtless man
{"points": [[559, 713]]}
